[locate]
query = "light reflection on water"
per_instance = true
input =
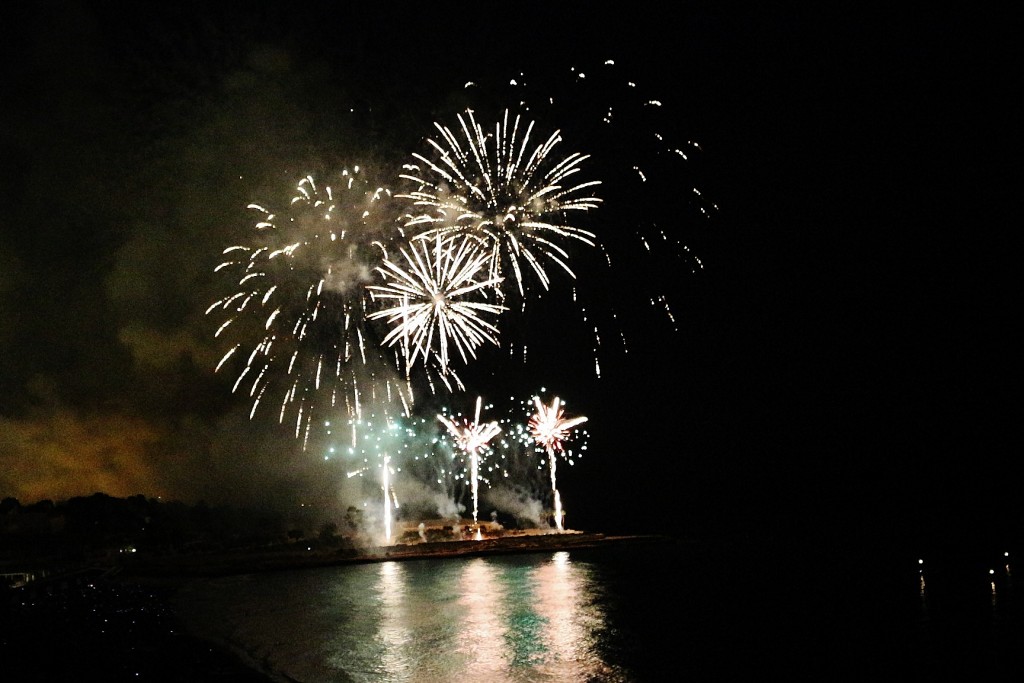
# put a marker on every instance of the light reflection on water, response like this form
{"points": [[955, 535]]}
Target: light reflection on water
{"points": [[668, 612], [513, 618]]}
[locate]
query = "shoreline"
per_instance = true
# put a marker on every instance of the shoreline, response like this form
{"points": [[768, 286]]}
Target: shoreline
{"points": [[299, 555]]}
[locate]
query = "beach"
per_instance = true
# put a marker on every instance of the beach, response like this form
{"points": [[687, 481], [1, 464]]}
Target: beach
{"points": [[107, 628]]}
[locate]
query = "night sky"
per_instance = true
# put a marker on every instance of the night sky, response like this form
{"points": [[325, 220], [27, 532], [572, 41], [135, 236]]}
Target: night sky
{"points": [[843, 355]]}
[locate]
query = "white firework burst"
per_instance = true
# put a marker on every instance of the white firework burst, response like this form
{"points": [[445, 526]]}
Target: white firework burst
{"points": [[298, 309], [436, 299], [505, 190]]}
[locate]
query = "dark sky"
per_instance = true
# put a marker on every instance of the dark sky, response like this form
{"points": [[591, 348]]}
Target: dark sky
{"points": [[845, 354]]}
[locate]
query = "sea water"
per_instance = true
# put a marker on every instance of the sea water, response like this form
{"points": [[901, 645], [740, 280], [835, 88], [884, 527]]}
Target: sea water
{"points": [[662, 611]]}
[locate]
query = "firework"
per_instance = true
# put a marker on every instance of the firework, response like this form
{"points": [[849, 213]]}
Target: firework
{"points": [[378, 441], [549, 429], [652, 205], [472, 437], [516, 466], [504, 190], [436, 300], [389, 496], [297, 312]]}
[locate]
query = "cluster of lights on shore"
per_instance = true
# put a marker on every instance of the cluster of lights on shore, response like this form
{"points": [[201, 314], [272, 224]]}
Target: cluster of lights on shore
{"points": [[355, 297]]}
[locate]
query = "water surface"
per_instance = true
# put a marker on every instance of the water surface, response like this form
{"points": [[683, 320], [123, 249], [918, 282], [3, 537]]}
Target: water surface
{"points": [[673, 611]]}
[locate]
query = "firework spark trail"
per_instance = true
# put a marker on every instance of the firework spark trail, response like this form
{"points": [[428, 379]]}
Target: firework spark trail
{"points": [[381, 441], [515, 452], [506, 192], [389, 497], [515, 449], [300, 295], [549, 429], [651, 202], [472, 437], [626, 130], [434, 301]]}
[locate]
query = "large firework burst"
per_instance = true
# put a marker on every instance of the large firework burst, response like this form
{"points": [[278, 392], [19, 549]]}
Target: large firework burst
{"points": [[502, 188], [436, 299], [297, 315], [653, 209]]}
